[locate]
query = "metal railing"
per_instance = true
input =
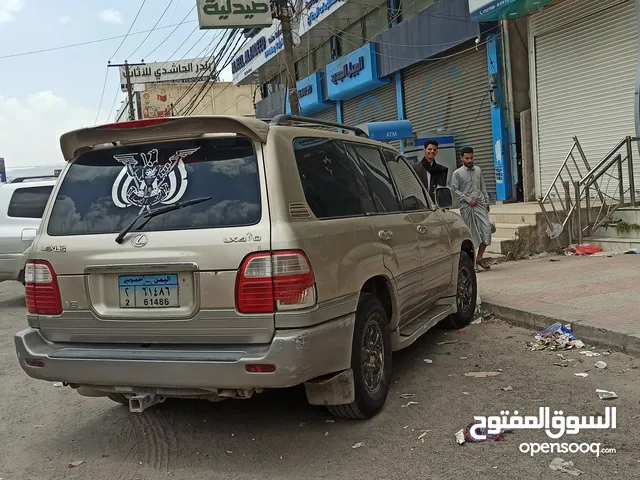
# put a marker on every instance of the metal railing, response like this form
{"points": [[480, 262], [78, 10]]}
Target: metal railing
{"points": [[588, 199]]}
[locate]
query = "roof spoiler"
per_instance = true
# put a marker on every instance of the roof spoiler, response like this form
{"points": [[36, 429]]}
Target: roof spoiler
{"points": [[75, 142]]}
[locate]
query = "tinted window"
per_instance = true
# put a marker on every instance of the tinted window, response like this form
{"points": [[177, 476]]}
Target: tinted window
{"points": [[328, 180], [29, 202], [409, 188], [104, 190], [379, 180]]}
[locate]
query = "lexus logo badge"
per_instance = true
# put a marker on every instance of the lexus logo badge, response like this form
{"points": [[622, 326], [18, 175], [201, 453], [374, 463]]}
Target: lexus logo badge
{"points": [[139, 241]]}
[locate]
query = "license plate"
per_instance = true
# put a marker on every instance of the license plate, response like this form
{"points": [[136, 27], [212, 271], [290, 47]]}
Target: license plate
{"points": [[149, 291]]}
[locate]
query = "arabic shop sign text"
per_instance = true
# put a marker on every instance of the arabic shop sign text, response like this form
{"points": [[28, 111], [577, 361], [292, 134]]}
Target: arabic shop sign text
{"points": [[314, 14], [183, 70], [349, 70], [234, 13]]}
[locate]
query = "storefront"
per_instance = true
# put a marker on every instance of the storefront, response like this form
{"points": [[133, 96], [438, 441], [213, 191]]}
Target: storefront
{"points": [[312, 99], [584, 56], [451, 96], [353, 79]]}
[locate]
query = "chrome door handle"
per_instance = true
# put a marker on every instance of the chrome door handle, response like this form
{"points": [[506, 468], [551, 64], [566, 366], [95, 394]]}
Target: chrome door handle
{"points": [[385, 234], [421, 229]]}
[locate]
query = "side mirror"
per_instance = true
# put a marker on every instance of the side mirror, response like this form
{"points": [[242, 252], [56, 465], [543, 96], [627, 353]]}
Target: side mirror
{"points": [[444, 197]]}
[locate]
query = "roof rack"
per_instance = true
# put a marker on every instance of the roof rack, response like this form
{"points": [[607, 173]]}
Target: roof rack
{"points": [[292, 120], [23, 179]]}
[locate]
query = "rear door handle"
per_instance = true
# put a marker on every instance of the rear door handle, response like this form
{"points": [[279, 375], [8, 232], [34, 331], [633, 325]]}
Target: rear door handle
{"points": [[421, 229], [385, 234]]}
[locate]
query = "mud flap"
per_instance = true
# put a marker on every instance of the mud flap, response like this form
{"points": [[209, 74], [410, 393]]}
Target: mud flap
{"points": [[334, 389]]}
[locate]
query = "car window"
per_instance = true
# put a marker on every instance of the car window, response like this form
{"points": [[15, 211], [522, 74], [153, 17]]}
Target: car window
{"points": [[328, 180], [382, 189], [412, 196], [29, 202], [104, 190]]}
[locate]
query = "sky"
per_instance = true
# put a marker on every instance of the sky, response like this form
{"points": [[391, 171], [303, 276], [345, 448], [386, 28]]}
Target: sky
{"points": [[44, 95]]}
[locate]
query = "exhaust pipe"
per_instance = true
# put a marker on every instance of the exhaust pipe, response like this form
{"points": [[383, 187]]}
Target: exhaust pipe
{"points": [[139, 403]]}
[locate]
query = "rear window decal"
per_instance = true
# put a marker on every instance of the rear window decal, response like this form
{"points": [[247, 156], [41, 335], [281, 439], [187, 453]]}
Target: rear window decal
{"points": [[143, 182]]}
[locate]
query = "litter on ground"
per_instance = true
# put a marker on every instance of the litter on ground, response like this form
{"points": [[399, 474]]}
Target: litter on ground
{"points": [[589, 353], [600, 364], [582, 375], [77, 463], [407, 395], [606, 395], [448, 342], [556, 337], [358, 445], [560, 465], [466, 431], [409, 404], [507, 389], [583, 249], [428, 360], [481, 374]]}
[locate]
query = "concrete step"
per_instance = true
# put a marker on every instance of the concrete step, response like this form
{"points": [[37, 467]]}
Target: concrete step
{"points": [[612, 232], [516, 217], [614, 245], [496, 245], [629, 215], [508, 230]]}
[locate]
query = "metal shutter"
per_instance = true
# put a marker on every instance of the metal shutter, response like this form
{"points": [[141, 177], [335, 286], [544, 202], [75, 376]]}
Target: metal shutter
{"points": [[328, 115], [585, 75], [451, 95], [378, 105]]}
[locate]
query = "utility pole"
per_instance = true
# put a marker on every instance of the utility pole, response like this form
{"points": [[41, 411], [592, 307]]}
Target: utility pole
{"points": [[283, 13], [127, 75]]}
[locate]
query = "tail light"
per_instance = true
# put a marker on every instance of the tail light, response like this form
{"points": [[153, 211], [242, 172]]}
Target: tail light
{"points": [[275, 281], [41, 289]]}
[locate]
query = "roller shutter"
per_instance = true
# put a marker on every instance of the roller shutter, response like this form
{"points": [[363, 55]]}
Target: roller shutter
{"points": [[379, 105], [585, 75], [328, 115], [451, 95]]}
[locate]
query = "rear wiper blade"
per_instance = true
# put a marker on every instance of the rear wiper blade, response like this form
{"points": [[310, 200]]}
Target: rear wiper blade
{"points": [[158, 211]]}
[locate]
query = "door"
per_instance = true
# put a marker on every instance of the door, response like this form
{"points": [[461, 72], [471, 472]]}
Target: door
{"points": [[397, 235], [24, 214], [433, 235]]}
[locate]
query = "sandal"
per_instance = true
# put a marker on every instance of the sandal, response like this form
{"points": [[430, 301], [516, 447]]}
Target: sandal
{"points": [[484, 264]]}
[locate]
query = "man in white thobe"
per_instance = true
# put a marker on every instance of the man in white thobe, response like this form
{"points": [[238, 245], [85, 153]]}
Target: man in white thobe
{"points": [[468, 184]]}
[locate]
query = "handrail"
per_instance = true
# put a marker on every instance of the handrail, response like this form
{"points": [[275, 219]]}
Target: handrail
{"points": [[578, 191]]}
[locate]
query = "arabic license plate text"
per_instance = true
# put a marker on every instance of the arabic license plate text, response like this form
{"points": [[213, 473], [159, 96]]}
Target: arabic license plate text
{"points": [[149, 291]]}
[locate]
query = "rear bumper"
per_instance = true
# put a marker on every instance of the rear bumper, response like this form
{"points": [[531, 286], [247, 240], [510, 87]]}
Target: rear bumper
{"points": [[299, 355], [11, 264]]}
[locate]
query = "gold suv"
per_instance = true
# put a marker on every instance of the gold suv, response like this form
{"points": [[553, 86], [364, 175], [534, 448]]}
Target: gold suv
{"points": [[214, 257]]}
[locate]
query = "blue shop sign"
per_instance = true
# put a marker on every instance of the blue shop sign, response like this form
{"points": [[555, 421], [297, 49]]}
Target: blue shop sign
{"points": [[385, 131], [493, 10], [310, 95], [354, 74]]}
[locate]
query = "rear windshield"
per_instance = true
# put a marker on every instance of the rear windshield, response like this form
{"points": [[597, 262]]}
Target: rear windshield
{"points": [[104, 190]]}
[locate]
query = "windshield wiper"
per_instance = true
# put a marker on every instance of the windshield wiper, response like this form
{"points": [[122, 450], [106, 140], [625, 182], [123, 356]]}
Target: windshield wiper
{"points": [[158, 211]]}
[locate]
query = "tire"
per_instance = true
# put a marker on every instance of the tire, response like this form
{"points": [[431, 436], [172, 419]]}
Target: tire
{"points": [[466, 295], [371, 388], [119, 398]]}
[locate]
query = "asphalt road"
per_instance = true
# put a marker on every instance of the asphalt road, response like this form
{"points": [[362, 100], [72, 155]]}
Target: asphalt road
{"points": [[277, 435]]}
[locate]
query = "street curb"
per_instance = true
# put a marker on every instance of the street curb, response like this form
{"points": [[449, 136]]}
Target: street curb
{"points": [[591, 335]]}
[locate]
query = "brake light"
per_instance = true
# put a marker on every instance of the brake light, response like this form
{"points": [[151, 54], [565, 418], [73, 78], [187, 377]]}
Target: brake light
{"points": [[41, 289], [270, 281], [137, 123]]}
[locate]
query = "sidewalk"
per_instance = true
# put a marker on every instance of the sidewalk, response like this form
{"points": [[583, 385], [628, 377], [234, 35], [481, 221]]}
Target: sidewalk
{"points": [[599, 296]]}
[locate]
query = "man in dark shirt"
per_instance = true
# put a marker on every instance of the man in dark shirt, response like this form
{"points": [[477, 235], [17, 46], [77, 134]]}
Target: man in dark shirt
{"points": [[431, 174]]}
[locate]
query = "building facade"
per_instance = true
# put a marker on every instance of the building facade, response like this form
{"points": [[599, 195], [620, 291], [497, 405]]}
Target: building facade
{"points": [[514, 79]]}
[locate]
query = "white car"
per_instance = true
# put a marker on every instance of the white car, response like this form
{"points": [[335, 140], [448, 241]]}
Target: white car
{"points": [[22, 203]]}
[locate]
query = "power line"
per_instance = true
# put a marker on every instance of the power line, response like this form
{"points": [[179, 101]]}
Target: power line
{"points": [[106, 74], [172, 32], [152, 29], [90, 42], [129, 31]]}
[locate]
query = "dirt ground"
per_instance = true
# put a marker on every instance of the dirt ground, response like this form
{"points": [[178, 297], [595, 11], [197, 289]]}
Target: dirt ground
{"points": [[277, 435]]}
